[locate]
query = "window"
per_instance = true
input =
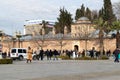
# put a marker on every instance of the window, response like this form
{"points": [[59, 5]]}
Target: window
{"points": [[19, 50], [24, 51], [13, 51]]}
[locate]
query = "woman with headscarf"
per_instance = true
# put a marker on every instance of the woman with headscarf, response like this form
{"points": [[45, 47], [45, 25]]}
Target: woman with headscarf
{"points": [[29, 54]]}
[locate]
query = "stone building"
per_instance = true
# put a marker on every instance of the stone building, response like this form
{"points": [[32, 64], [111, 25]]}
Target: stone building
{"points": [[82, 27], [32, 29], [76, 40]]}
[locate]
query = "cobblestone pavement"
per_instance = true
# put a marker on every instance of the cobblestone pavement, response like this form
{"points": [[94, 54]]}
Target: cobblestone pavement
{"points": [[61, 70]]}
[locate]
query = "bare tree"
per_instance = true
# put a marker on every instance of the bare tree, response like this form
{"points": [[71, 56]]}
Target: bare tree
{"points": [[116, 7]]}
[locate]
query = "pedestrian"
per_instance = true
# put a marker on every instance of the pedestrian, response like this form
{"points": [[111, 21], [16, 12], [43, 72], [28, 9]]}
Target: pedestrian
{"points": [[55, 53], [41, 54], [37, 54], [83, 53], [92, 52], [47, 52], [29, 55], [51, 54], [116, 54]]}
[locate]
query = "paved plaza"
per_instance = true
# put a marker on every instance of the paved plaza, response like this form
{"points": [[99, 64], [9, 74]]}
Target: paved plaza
{"points": [[61, 70]]}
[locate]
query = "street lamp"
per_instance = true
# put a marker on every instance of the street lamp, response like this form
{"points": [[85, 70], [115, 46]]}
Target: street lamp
{"points": [[18, 35]]}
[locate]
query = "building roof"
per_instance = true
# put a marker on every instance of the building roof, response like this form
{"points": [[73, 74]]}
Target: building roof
{"points": [[83, 19]]}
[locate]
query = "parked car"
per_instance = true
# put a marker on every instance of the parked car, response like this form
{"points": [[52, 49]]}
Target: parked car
{"points": [[20, 53]]}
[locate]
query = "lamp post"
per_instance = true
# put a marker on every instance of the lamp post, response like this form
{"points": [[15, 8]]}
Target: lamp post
{"points": [[18, 35]]}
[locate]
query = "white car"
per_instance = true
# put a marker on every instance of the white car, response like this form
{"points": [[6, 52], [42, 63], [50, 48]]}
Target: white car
{"points": [[20, 53]]}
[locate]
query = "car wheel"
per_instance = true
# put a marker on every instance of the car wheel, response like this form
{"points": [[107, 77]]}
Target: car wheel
{"points": [[21, 58]]}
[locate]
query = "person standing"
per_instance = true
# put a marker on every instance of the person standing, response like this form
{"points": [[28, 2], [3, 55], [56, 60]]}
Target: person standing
{"points": [[55, 53], [29, 55], [37, 54], [48, 54], [116, 54], [41, 54], [92, 52]]}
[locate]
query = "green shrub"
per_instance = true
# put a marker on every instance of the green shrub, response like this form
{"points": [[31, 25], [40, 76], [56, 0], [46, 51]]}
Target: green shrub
{"points": [[6, 61], [65, 58], [104, 58], [85, 58]]}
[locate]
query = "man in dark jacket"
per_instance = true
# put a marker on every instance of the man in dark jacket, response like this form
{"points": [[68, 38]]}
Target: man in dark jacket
{"points": [[55, 53], [41, 54], [92, 52]]}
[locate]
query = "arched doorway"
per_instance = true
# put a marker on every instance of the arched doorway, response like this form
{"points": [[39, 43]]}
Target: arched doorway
{"points": [[76, 47]]}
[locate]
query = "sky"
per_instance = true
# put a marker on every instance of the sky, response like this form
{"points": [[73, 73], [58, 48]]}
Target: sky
{"points": [[14, 13]]}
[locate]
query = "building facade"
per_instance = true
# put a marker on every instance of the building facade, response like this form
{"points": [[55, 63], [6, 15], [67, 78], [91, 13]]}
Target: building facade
{"points": [[82, 27], [78, 39], [32, 29]]}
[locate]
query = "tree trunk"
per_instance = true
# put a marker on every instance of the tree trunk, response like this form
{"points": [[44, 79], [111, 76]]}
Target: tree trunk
{"points": [[101, 34], [118, 39]]}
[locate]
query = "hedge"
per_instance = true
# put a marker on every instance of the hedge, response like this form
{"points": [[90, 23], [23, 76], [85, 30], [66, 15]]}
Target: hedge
{"points": [[84, 58], [6, 61]]}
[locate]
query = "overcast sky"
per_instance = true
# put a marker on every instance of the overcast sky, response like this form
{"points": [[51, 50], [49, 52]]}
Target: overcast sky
{"points": [[14, 13]]}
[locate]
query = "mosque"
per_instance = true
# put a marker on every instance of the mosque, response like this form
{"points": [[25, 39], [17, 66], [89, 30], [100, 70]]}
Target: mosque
{"points": [[82, 36]]}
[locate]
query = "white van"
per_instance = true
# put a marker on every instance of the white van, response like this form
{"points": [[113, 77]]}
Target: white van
{"points": [[19, 53]]}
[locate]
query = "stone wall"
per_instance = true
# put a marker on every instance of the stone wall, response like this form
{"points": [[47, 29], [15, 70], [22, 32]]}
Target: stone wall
{"points": [[66, 44]]}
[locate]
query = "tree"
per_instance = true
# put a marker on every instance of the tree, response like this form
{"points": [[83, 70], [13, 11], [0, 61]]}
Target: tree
{"points": [[94, 15], [47, 29], [64, 19], [116, 26], [80, 12], [101, 13], [117, 9], [100, 25], [108, 12], [88, 13]]}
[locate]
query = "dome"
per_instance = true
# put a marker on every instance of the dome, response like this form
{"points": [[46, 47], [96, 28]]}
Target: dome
{"points": [[83, 19]]}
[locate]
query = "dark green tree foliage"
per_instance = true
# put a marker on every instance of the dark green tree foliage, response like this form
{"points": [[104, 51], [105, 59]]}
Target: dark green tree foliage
{"points": [[86, 12], [47, 29], [80, 12], [64, 19], [77, 14], [101, 13], [94, 15], [108, 12]]}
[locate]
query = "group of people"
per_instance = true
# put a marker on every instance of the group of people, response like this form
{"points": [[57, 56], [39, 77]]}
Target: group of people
{"points": [[41, 53], [54, 53]]}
